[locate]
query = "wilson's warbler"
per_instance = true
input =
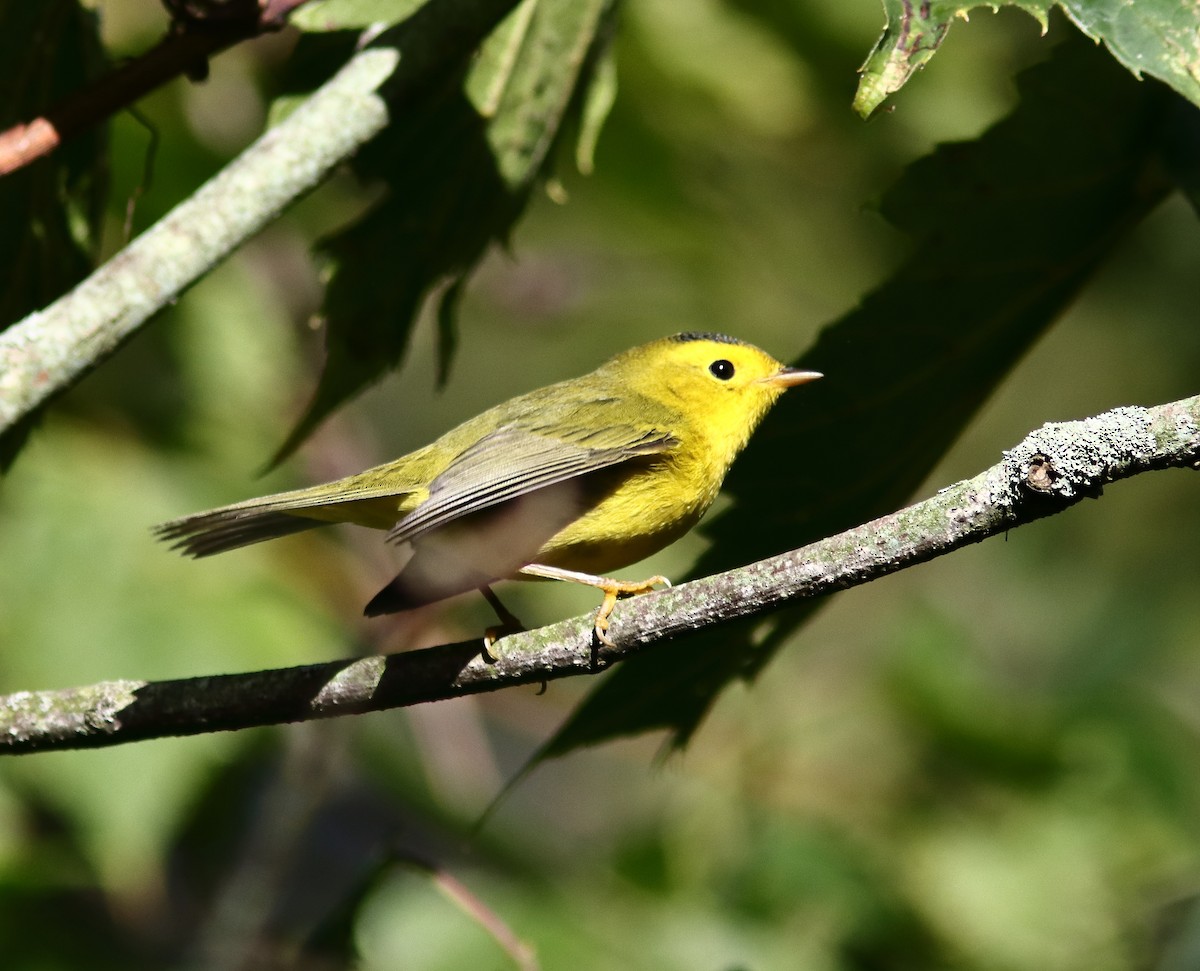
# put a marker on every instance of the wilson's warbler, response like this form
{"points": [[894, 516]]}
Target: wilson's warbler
{"points": [[567, 482]]}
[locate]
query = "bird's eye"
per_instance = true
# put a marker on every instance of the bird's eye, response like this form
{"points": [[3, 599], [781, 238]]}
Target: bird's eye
{"points": [[721, 369]]}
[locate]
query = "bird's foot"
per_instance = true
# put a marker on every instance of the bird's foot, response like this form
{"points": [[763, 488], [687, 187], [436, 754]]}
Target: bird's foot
{"points": [[614, 590]]}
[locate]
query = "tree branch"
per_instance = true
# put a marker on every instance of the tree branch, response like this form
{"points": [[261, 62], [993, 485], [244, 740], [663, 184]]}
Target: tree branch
{"points": [[1052, 469], [194, 37], [50, 349]]}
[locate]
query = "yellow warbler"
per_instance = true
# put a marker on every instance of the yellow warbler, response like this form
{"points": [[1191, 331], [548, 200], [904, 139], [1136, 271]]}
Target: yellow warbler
{"points": [[567, 482]]}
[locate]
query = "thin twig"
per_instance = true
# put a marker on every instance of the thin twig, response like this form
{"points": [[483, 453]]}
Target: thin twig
{"points": [[147, 173], [458, 893], [1052, 469], [51, 348]]}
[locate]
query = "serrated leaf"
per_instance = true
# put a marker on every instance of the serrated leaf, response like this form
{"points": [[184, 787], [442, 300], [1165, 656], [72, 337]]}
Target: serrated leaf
{"points": [[1007, 229], [909, 39], [1156, 37], [912, 33], [459, 168]]}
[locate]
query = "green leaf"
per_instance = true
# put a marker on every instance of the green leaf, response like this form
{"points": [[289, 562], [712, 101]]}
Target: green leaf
{"points": [[459, 167], [1156, 37], [912, 33], [330, 15], [597, 105], [1006, 231]]}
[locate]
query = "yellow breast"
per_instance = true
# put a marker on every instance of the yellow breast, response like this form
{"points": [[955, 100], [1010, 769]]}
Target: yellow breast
{"points": [[650, 507]]}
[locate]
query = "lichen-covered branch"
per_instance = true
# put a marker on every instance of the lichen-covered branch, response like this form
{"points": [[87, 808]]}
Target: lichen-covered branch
{"points": [[50, 349], [1053, 468]]}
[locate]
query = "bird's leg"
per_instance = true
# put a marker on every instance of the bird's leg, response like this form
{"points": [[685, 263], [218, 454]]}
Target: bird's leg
{"points": [[612, 589], [509, 622]]}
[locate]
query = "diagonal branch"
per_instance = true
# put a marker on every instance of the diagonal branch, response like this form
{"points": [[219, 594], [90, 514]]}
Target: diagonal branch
{"points": [[50, 349], [1052, 469]]}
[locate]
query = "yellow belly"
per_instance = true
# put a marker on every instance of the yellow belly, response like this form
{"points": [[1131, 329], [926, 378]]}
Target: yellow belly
{"points": [[645, 513]]}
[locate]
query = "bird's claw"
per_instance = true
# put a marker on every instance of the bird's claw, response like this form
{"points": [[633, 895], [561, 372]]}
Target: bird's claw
{"points": [[613, 591], [510, 623], [492, 634]]}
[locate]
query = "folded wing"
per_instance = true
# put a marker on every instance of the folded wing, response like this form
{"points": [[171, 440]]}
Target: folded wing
{"points": [[497, 504], [513, 462]]}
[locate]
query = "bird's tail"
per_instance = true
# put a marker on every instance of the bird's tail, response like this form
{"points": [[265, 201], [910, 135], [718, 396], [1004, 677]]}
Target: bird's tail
{"points": [[356, 499], [218, 530]]}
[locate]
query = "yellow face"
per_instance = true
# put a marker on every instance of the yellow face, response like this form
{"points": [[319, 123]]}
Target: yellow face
{"points": [[720, 385]]}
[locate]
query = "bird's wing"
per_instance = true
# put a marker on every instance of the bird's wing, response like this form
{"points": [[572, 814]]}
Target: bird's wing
{"points": [[515, 461]]}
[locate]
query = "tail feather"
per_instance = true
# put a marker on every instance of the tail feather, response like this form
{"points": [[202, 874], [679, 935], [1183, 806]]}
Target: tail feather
{"points": [[368, 499], [207, 533], [215, 532]]}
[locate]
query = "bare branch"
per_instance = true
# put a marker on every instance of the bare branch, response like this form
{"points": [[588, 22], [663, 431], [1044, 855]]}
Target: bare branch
{"points": [[1052, 469]]}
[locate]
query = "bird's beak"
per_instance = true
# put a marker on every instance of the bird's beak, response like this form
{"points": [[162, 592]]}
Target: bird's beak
{"points": [[789, 377]]}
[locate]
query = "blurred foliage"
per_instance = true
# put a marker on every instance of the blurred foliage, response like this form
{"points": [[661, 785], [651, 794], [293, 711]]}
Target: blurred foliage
{"points": [[987, 763]]}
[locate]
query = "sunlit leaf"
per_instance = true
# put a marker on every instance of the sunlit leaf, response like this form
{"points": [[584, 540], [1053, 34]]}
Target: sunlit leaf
{"points": [[324, 15]]}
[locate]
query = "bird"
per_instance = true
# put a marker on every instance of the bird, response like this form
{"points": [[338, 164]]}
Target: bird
{"points": [[569, 482]]}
